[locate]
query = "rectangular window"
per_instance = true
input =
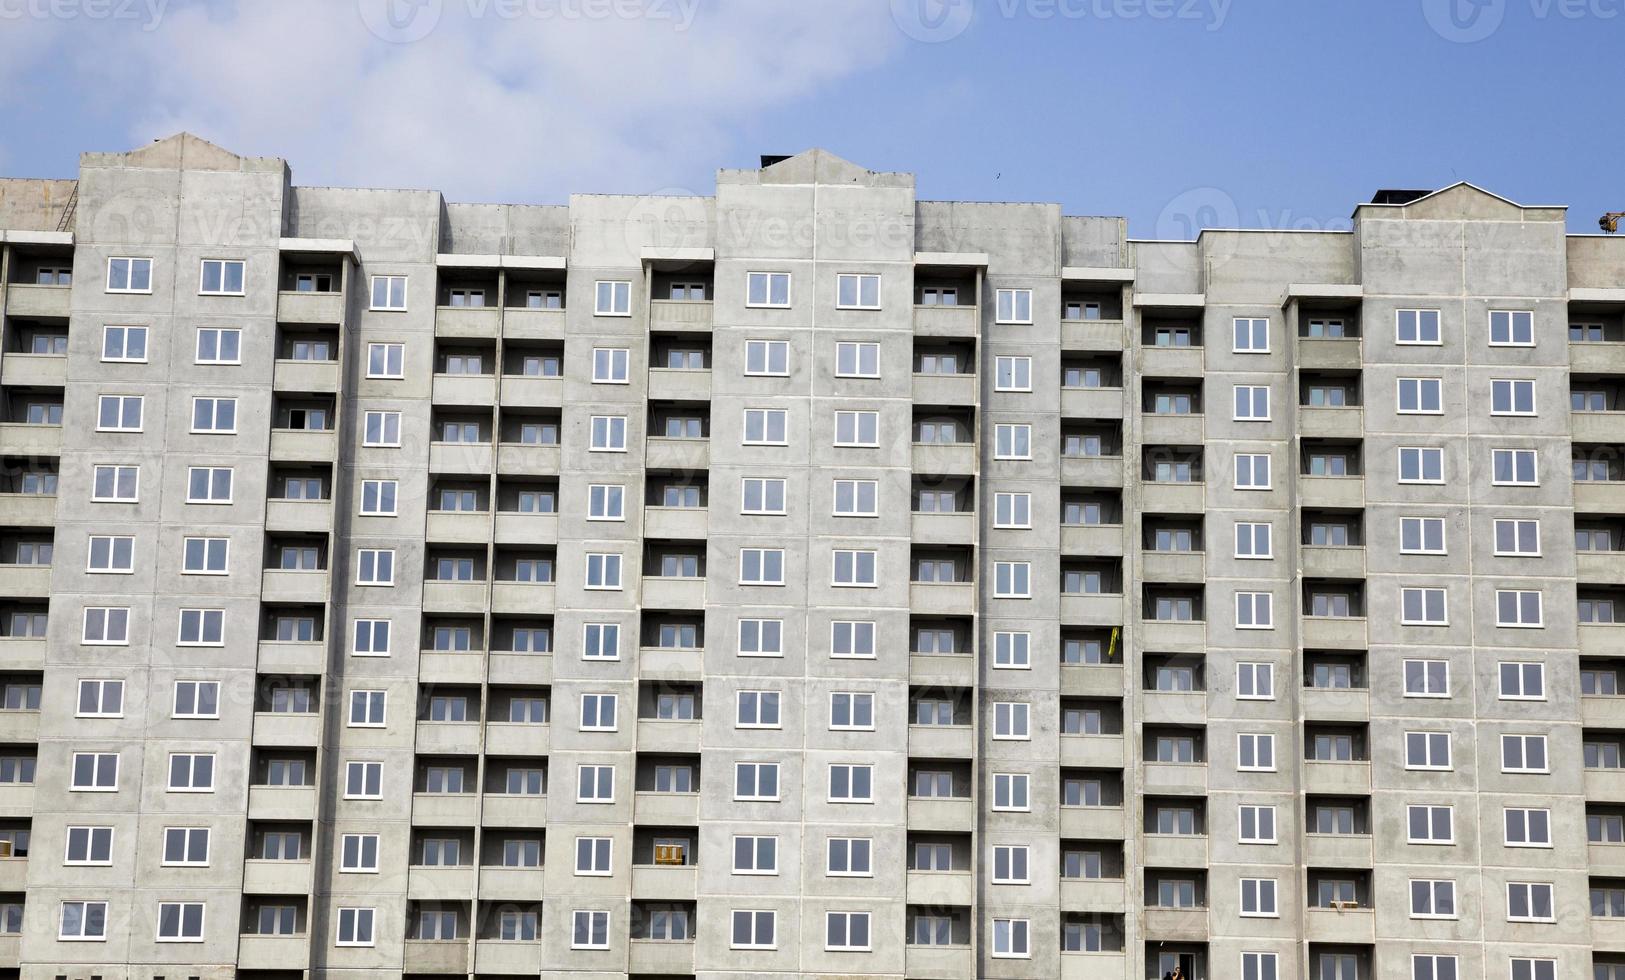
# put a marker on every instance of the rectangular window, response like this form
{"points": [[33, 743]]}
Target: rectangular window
{"points": [[1012, 938], [205, 556], [1254, 611], [367, 708], [1255, 752], [608, 434], [1255, 682], [1512, 397], [1258, 898], [214, 415], [1427, 750], [202, 628], [1010, 791], [382, 429], [853, 498], [221, 277], [89, 845], [857, 429], [124, 344], [756, 781], [603, 572], [1012, 510], [1532, 969], [1517, 537], [1011, 720], [115, 484], [1417, 327], [769, 289], [851, 711], [1012, 373], [756, 856], [363, 781], [1252, 403], [767, 357], [1012, 580], [854, 291], [1257, 824], [129, 275], [593, 856], [1421, 396], [1013, 306], [378, 497], [1513, 468], [1010, 863], [389, 292], [1421, 536], [110, 554], [1429, 824], [1252, 471], [94, 772], [752, 929], [857, 360], [1433, 898], [208, 484], [1529, 902], [1528, 827], [609, 365], [84, 921], [386, 361], [606, 502], [1253, 540], [1518, 608], [355, 927], [375, 567], [598, 712], [852, 640], [612, 298], [1259, 966], [191, 773], [854, 568], [1251, 335], [766, 427], [1512, 328], [1012, 441], [756, 709], [118, 413], [100, 699], [219, 345], [1012, 651], [1522, 681], [371, 638], [761, 637], [1523, 754], [850, 857], [595, 784], [1427, 678], [1422, 607], [1421, 465]]}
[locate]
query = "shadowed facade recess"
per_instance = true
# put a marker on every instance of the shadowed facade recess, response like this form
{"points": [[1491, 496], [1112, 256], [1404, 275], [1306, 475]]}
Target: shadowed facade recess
{"points": [[805, 580]]}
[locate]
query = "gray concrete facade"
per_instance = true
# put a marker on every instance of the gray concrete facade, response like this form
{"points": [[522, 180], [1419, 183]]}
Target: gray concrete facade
{"points": [[807, 580]]}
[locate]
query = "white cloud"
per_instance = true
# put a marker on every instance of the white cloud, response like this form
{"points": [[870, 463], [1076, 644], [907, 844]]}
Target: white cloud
{"points": [[486, 106]]}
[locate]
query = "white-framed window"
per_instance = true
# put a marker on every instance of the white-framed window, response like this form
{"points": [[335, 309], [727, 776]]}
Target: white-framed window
{"points": [[850, 857], [94, 772], [860, 429], [767, 357], [124, 344], [100, 699], [201, 628], [1427, 750], [221, 277], [84, 921], [595, 784], [761, 566], [1259, 966], [1421, 464], [389, 292], [1011, 721], [1530, 901], [386, 361], [1012, 373], [1010, 864], [1013, 306], [598, 712], [601, 641], [1012, 580], [208, 484], [1252, 471], [128, 274], [766, 427], [1433, 898], [603, 572], [594, 856], [112, 483], [111, 554], [1012, 650], [761, 637], [1522, 681], [606, 502], [1527, 827], [363, 780], [118, 413], [857, 291], [1012, 510], [1512, 328], [381, 429], [355, 926], [1518, 608], [767, 289], [853, 498], [358, 853], [753, 929], [1012, 440], [1255, 681], [1514, 468], [1417, 327], [756, 855], [375, 566], [205, 556], [1524, 754], [756, 709], [1254, 611], [1517, 537], [849, 783], [219, 345], [610, 365], [1256, 824], [89, 846], [1423, 607], [1421, 536], [1252, 403], [857, 360], [378, 497], [1427, 678], [370, 638], [854, 569], [1010, 791], [1421, 396], [1512, 396], [1250, 335], [367, 709], [1258, 898], [851, 711], [612, 297], [1012, 938], [191, 772], [608, 434], [852, 640], [1525, 968], [217, 415], [1253, 540], [1255, 752], [1430, 824], [758, 781]]}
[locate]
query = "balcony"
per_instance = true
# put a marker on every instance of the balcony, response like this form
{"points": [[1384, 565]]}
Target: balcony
{"points": [[1092, 471], [304, 445], [1088, 966], [22, 653], [274, 952], [465, 389], [1602, 712], [1342, 492], [664, 883], [1093, 335], [1337, 850], [310, 516], [938, 814], [19, 726], [666, 809], [293, 306], [939, 528], [1331, 423], [1091, 680], [1336, 778], [1092, 403], [682, 455], [945, 389], [454, 597], [477, 458], [448, 809], [497, 956], [671, 663], [522, 669], [512, 527], [303, 376], [517, 739], [1172, 430], [943, 962], [1329, 353], [514, 810], [1174, 708], [282, 803], [285, 729], [669, 384], [939, 888], [943, 458], [25, 581], [1173, 635], [524, 391], [1172, 362], [942, 669], [941, 741], [682, 523], [1176, 925], [1173, 498], [42, 370], [669, 592], [263, 877], [448, 738], [457, 527], [1332, 632], [1174, 850], [522, 459], [25, 299], [26, 439], [1093, 540], [435, 955], [1606, 859], [669, 735], [1092, 610], [1093, 823], [504, 884], [942, 598], [1604, 784], [524, 323], [292, 657], [1189, 567], [680, 314], [1323, 561], [1093, 751], [13, 874], [305, 588], [436, 667], [1355, 926], [1175, 779], [946, 321], [468, 322], [17, 800], [1335, 704], [1586, 358], [1093, 894], [440, 883], [656, 956]]}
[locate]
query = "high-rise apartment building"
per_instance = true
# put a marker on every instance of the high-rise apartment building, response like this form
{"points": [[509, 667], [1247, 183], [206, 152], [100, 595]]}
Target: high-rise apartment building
{"points": [[806, 580]]}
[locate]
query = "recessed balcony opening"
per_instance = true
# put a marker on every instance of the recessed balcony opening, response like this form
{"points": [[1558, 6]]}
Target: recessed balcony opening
{"points": [[1339, 889], [944, 288], [680, 352], [1171, 533], [531, 566], [939, 706], [1332, 528], [1091, 304], [36, 336], [1173, 604], [466, 289], [939, 779], [449, 634], [527, 359], [1595, 462], [448, 703], [1329, 389], [290, 623], [282, 767], [663, 700], [930, 852], [1592, 324], [1175, 888], [943, 494], [1330, 457], [307, 343], [41, 265], [310, 274], [672, 630], [33, 406], [279, 694], [668, 772], [1333, 598], [1338, 816], [1170, 396], [518, 705], [679, 420], [1092, 371], [939, 635], [1094, 576], [1091, 508], [275, 915], [1329, 962], [940, 426], [1094, 788], [1091, 716], [1081, 440], [1170, 332], [1332, 670], [1174, 465], [1328, 321], [1336, 742], [943, 926], [528, 428], [535, 290], [1174, 673], [677, 489], [522, 634], [944, 359]]}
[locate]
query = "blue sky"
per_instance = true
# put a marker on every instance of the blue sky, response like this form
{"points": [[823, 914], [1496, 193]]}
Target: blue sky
{"points": [[1175, 113]]}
